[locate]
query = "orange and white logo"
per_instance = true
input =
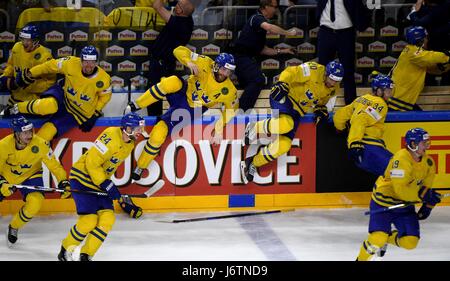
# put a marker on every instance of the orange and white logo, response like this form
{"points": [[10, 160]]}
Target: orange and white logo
{"points": [[105, 65], [64, 51], [78, 36], [54, 36], [399, 46], [117, 81], [192, 48], [369, 32], [270, 35], [377, 46], [388, 61], [358, 78], [223, 34], [6, 36], [292, 62], [139, 50], [145, 66], [114, 51], [211, 49], [270, 64], [275, 79], [150, 34], [126, 66], [199, 34], [365, 62], [102, 35], [127, 35], [306, 48], [358, 47], [299, 33], [388, 31], [313, 33]]}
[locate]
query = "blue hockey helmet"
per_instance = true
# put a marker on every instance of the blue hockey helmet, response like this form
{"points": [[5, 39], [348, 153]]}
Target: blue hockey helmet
{"points": [[381, 81], [416, 135], [29, 31], [226, 60], [415, 35], [132, 120], [335, 71], [89, 53], [21, 124]]}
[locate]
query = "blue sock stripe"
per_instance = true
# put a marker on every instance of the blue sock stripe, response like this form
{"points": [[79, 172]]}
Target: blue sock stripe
{"points": [[101, 231], [75, 236], [98, 236]]}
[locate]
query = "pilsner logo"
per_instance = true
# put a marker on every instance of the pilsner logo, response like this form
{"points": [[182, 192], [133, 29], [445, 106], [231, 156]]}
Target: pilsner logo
{"points": [[292, 62], [78, 36], [358, 78], [270, 35], [150, 34], [270, 64], [223, 34], [139, 50], [199, 34], [211, 49], [126, 66], [64, 51], [105, 65], [275, 79], [365, 62], [114, 51], [178, 66], [306, 48], [192, 48], [358, 47], [54, 36], [369, 32], [102, 35], [136, 80], [389, 31], [117, 81], [388, 61], [299, 33], [399, 46], [6, 36], [145, 66], [282, 45], [127, 35], [377, 46], [313, 33]]}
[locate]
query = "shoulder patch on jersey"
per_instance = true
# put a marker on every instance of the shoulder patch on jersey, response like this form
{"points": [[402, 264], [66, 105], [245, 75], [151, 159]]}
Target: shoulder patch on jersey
{"points": [[397, 173], [373, 113], [429, 162], [99, 84], [35, 149], [305, 69], [224, 91], [100, 146], [194, 56], [37, 56]]}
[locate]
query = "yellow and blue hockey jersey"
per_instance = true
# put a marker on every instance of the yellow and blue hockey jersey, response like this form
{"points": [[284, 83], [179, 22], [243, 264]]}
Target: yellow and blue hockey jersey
{"points": [[101, 161], [366, 115], [16, 166], [20, 59], [403, 179], [83, 95]]}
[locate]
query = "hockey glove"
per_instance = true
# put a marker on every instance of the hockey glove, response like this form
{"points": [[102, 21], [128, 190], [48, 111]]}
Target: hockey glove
{"points": [[7, 83], [24, 78], [429, 196], [137, 174], [320, 113], [111, 189], [424, 212], [356, 151], [129, 207], [6, 189], [89, 124], [279, 91], [64, 185]]}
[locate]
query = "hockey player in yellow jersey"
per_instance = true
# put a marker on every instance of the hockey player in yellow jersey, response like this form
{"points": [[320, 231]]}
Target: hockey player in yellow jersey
{"points": [[407, 180], [208, 85], [366, 116], [25, 54], [21, 158], [300, 89], [411, 68], [93, 171], [78, 102]]}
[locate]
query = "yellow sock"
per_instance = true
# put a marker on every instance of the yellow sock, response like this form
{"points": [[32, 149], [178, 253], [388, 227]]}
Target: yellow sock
{"points": [[47, 131], [78, 232], [151, 149], [33, 203], [43, 106], [270, 152], [97, 236], [281, 125], [407, 242], [157, 92], [374, 242]]}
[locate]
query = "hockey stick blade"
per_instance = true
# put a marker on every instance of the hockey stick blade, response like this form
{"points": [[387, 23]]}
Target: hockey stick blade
{"points": [[152, 190]]}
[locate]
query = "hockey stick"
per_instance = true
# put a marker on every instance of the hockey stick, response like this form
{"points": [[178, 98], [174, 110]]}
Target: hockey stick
{"points": [[398, 206], [232, 216], [152, 190]]}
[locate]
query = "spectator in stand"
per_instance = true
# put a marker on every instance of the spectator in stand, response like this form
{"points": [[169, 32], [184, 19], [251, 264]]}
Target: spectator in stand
{"points": [[339, 20]]}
